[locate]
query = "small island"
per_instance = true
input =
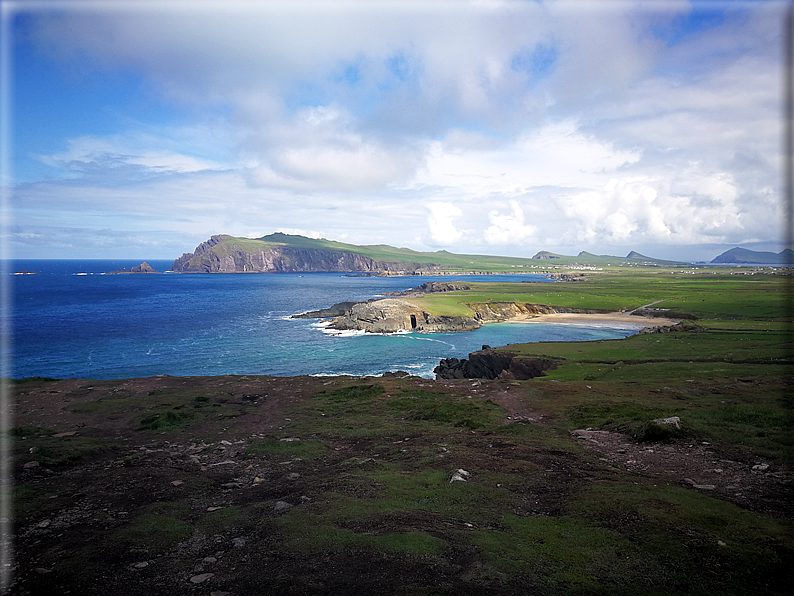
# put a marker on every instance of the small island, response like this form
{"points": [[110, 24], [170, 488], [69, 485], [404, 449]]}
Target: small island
{"points": [[142, 268]]}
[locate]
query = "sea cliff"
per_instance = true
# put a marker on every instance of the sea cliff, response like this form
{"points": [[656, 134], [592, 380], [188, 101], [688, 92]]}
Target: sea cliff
{"points": [[227, 254]]}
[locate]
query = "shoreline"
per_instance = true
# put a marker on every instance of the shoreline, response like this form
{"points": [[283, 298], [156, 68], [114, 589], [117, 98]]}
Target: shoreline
{"points": [[597, 319]]}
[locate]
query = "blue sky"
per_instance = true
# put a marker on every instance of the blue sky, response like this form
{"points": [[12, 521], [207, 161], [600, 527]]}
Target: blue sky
{"points": [[141, 128]]}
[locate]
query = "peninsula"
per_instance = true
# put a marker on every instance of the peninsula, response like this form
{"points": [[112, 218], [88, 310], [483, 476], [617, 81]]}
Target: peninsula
{"points": [[286, 253], [465, 308]]}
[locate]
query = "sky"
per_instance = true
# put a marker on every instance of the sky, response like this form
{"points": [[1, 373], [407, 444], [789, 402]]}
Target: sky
{"points": [[138, 129]]}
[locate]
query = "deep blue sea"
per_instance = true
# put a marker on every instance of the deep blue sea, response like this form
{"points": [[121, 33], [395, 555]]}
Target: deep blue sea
{"points": [[70, 321]]}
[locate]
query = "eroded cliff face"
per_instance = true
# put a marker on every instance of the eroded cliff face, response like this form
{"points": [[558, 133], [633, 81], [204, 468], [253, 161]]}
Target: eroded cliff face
{"points": [[221, 254], [391, 315], [492, 312]]}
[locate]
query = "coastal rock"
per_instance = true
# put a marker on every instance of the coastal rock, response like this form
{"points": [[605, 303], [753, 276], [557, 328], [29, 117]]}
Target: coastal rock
{"points": [[142, 268], [391, 315], [432, 287], [337, 310], [489, 364]]}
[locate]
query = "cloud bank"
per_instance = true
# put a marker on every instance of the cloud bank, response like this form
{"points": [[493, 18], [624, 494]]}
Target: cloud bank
{"points": [[502, 127]]}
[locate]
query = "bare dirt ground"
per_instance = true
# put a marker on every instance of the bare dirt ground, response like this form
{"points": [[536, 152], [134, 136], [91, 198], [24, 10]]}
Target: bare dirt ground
{"points": [[76, 506]]}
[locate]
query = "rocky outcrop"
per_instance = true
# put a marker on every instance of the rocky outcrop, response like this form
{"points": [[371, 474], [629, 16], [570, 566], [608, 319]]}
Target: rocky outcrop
{"points": [[681, 326], [391, 315], [490, 364], [432, 287], [226, 254], [142, 268], [337, 310], [494, 312]]}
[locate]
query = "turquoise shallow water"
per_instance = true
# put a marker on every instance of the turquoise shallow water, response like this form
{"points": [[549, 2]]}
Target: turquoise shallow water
{"points": [[69, 321]]}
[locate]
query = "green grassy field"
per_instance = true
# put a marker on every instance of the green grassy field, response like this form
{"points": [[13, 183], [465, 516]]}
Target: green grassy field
{"points": [[718, 295]]}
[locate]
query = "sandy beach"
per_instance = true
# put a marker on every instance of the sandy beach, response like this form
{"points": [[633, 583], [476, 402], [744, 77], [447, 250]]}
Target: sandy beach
{"points": [[598, 320]]}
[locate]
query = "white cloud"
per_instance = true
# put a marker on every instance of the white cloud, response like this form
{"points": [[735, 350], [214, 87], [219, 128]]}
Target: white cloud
{"points": [[509, 228], [153, 154], [441, 225], [567, 123]]}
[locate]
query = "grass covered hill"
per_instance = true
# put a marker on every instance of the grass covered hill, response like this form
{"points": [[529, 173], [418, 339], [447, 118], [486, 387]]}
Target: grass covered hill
{"points": [[753, 257], [281, 252]]}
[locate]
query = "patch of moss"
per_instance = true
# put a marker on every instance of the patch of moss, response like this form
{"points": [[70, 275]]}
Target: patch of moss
{"points": [[158, 533], [164, 421], [654, 431], [468, 412]]}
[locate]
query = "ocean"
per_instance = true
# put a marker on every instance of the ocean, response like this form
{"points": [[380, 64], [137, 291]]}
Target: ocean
{"points": [[71, 321]]}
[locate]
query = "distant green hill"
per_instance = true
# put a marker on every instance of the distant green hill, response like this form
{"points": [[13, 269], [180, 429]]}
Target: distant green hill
{"points": [[286, 253], [586, 258], [744, 255]]}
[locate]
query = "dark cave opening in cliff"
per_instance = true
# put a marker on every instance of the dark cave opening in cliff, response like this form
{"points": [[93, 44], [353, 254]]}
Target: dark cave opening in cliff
{"points": [[413, 321]]}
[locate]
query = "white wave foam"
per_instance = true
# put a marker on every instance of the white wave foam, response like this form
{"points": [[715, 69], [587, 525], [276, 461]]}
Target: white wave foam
{"points": [[344, 333], [438, 341]]}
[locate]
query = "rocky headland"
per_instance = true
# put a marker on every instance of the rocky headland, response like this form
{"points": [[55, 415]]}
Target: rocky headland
{"points": [[226, 254], [400, 313]]}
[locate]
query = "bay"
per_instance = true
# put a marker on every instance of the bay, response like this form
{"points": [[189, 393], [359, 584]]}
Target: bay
{"points": [[71, 321]]}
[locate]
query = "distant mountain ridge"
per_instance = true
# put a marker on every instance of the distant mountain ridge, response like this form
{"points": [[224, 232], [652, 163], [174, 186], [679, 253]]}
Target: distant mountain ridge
{"points": [[746, 256], [287, 253], [587, 258]]}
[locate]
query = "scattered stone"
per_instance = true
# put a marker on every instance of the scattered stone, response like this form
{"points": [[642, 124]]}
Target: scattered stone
{"points": [[289, 439], [397, 374], [230, 485], [673, 420], [214, 508], [177, 482], [141, 565], [282, 506], [238, 542], [44, 523], [258, 480], [761, 467], [721, 543], [688, 481], [704, 486], [590, 434], [305, 499], [31, 464], [210, 560], [225, 443], [460, 475], [219, 593], [197, 579], [43, 571], [293, 476]]}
